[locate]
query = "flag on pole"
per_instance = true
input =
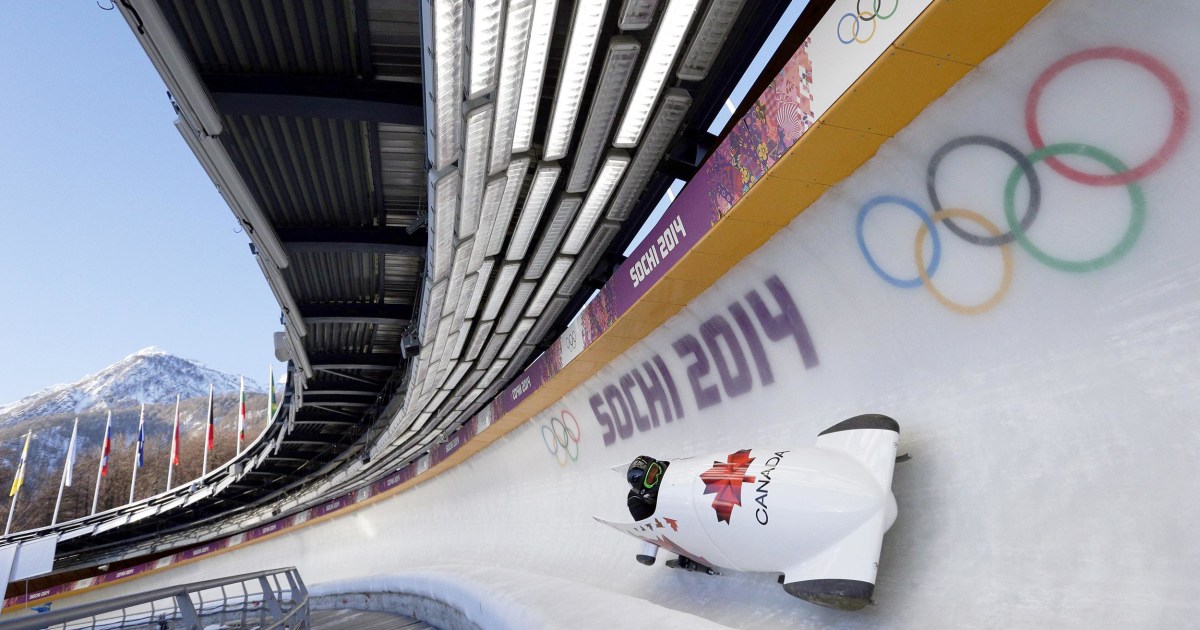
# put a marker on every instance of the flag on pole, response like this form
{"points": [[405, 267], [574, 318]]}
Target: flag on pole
{"points": [[141, 440], [66, 475], [175, 435], [173, 461], [271, 393], [211, 420], [139, 456], [20, 477], [208, 433], [106, 447], [242, 416], [70, 464]]}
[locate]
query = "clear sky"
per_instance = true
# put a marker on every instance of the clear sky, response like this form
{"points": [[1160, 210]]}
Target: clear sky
{"points": [[112, 238]]}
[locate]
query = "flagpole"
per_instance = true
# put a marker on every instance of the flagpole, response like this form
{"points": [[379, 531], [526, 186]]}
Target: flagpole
{"points": [[208, 432], [70, 461], [270, 392], [103, 461], [137, 452], [12, 509], [174, 444], [17, 483], [291, 412]]}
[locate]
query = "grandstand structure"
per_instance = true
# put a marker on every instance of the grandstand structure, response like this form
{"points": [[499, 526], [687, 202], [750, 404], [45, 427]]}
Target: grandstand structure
{"points": [[433, 190]]}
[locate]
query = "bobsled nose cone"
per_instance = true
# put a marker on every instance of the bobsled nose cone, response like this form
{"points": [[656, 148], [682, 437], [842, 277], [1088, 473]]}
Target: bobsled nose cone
{"points": [[839, 594]]}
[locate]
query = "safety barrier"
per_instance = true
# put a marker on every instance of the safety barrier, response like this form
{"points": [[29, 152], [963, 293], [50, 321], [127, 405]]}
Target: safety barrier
{"points": [[265, 600]]}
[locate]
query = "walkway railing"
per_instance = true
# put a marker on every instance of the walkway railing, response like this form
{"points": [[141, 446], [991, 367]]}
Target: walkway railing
{"points": [[265, 600]]}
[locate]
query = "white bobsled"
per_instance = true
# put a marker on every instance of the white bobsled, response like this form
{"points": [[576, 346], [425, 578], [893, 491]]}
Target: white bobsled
{"points": [[816, 514]]}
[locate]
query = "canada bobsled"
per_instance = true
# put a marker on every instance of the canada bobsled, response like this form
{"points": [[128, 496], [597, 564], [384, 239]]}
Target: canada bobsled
{"points": [[816, 514]]}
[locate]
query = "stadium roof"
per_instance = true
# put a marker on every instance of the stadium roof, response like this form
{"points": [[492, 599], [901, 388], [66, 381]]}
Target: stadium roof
{"points": [[432, 188]]}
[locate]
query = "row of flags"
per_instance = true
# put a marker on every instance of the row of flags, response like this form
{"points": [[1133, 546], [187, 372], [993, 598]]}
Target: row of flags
{"points": [[139, 456]]}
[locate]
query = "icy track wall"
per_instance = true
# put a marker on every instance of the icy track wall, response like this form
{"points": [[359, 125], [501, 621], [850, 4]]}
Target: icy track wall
{"points": [[1013, 278]]}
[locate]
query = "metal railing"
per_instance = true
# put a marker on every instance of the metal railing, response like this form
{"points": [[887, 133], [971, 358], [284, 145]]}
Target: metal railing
{"points": [[265, 600]]}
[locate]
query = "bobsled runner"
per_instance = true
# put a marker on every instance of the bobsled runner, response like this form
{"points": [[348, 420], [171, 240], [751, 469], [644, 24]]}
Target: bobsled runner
{"points": [[816, 514]]}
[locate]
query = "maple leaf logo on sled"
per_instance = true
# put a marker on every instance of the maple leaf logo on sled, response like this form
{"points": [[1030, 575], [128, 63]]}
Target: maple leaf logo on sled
{"points": [[725, 479]]}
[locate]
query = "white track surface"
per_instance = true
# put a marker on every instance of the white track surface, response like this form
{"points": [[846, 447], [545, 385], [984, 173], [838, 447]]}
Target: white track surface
{"points": [[1055, 437]]}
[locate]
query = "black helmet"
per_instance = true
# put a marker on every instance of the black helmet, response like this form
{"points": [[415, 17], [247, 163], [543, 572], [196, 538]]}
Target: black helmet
{"points": [[640, 468]]}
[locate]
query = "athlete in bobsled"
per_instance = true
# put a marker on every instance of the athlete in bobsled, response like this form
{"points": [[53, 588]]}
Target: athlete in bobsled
{"points": [[644, 476], [816, 514]]}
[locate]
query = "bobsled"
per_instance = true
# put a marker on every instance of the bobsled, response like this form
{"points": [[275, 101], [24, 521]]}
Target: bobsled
{"points": [[816, 514]]}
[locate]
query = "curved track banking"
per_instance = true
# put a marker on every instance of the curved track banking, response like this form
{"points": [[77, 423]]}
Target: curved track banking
{"points": [[1052, 432]]}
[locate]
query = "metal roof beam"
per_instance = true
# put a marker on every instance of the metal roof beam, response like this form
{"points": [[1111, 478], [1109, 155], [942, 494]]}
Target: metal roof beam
{"points": [[275, 459], [373, 361], [340, 391], [397, 241], [300, 96], [330, 405], [371, 314], [329, 420]]}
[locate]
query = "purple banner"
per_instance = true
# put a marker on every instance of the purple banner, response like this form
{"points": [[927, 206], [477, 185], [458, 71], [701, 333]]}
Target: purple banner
{"points": [[332, 506], [269, 528], [38, 595], [202, 550], [530, 380], [776, 121], [391, 481]]}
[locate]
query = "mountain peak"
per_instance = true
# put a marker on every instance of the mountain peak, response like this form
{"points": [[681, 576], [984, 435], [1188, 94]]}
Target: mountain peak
{"points": [[150, 375]]}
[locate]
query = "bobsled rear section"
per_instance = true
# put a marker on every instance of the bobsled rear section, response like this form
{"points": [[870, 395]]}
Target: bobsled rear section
{"points": [[871, 439], [842, 575]]}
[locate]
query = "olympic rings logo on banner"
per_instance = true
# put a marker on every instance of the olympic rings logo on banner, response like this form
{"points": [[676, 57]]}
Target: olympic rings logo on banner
{"points": [[856, 20], [1121, 175], [562, 439]]}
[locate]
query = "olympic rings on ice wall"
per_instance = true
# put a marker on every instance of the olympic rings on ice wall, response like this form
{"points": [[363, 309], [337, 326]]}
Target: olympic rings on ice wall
{"points": [[561, 437], [1018, 226]]}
